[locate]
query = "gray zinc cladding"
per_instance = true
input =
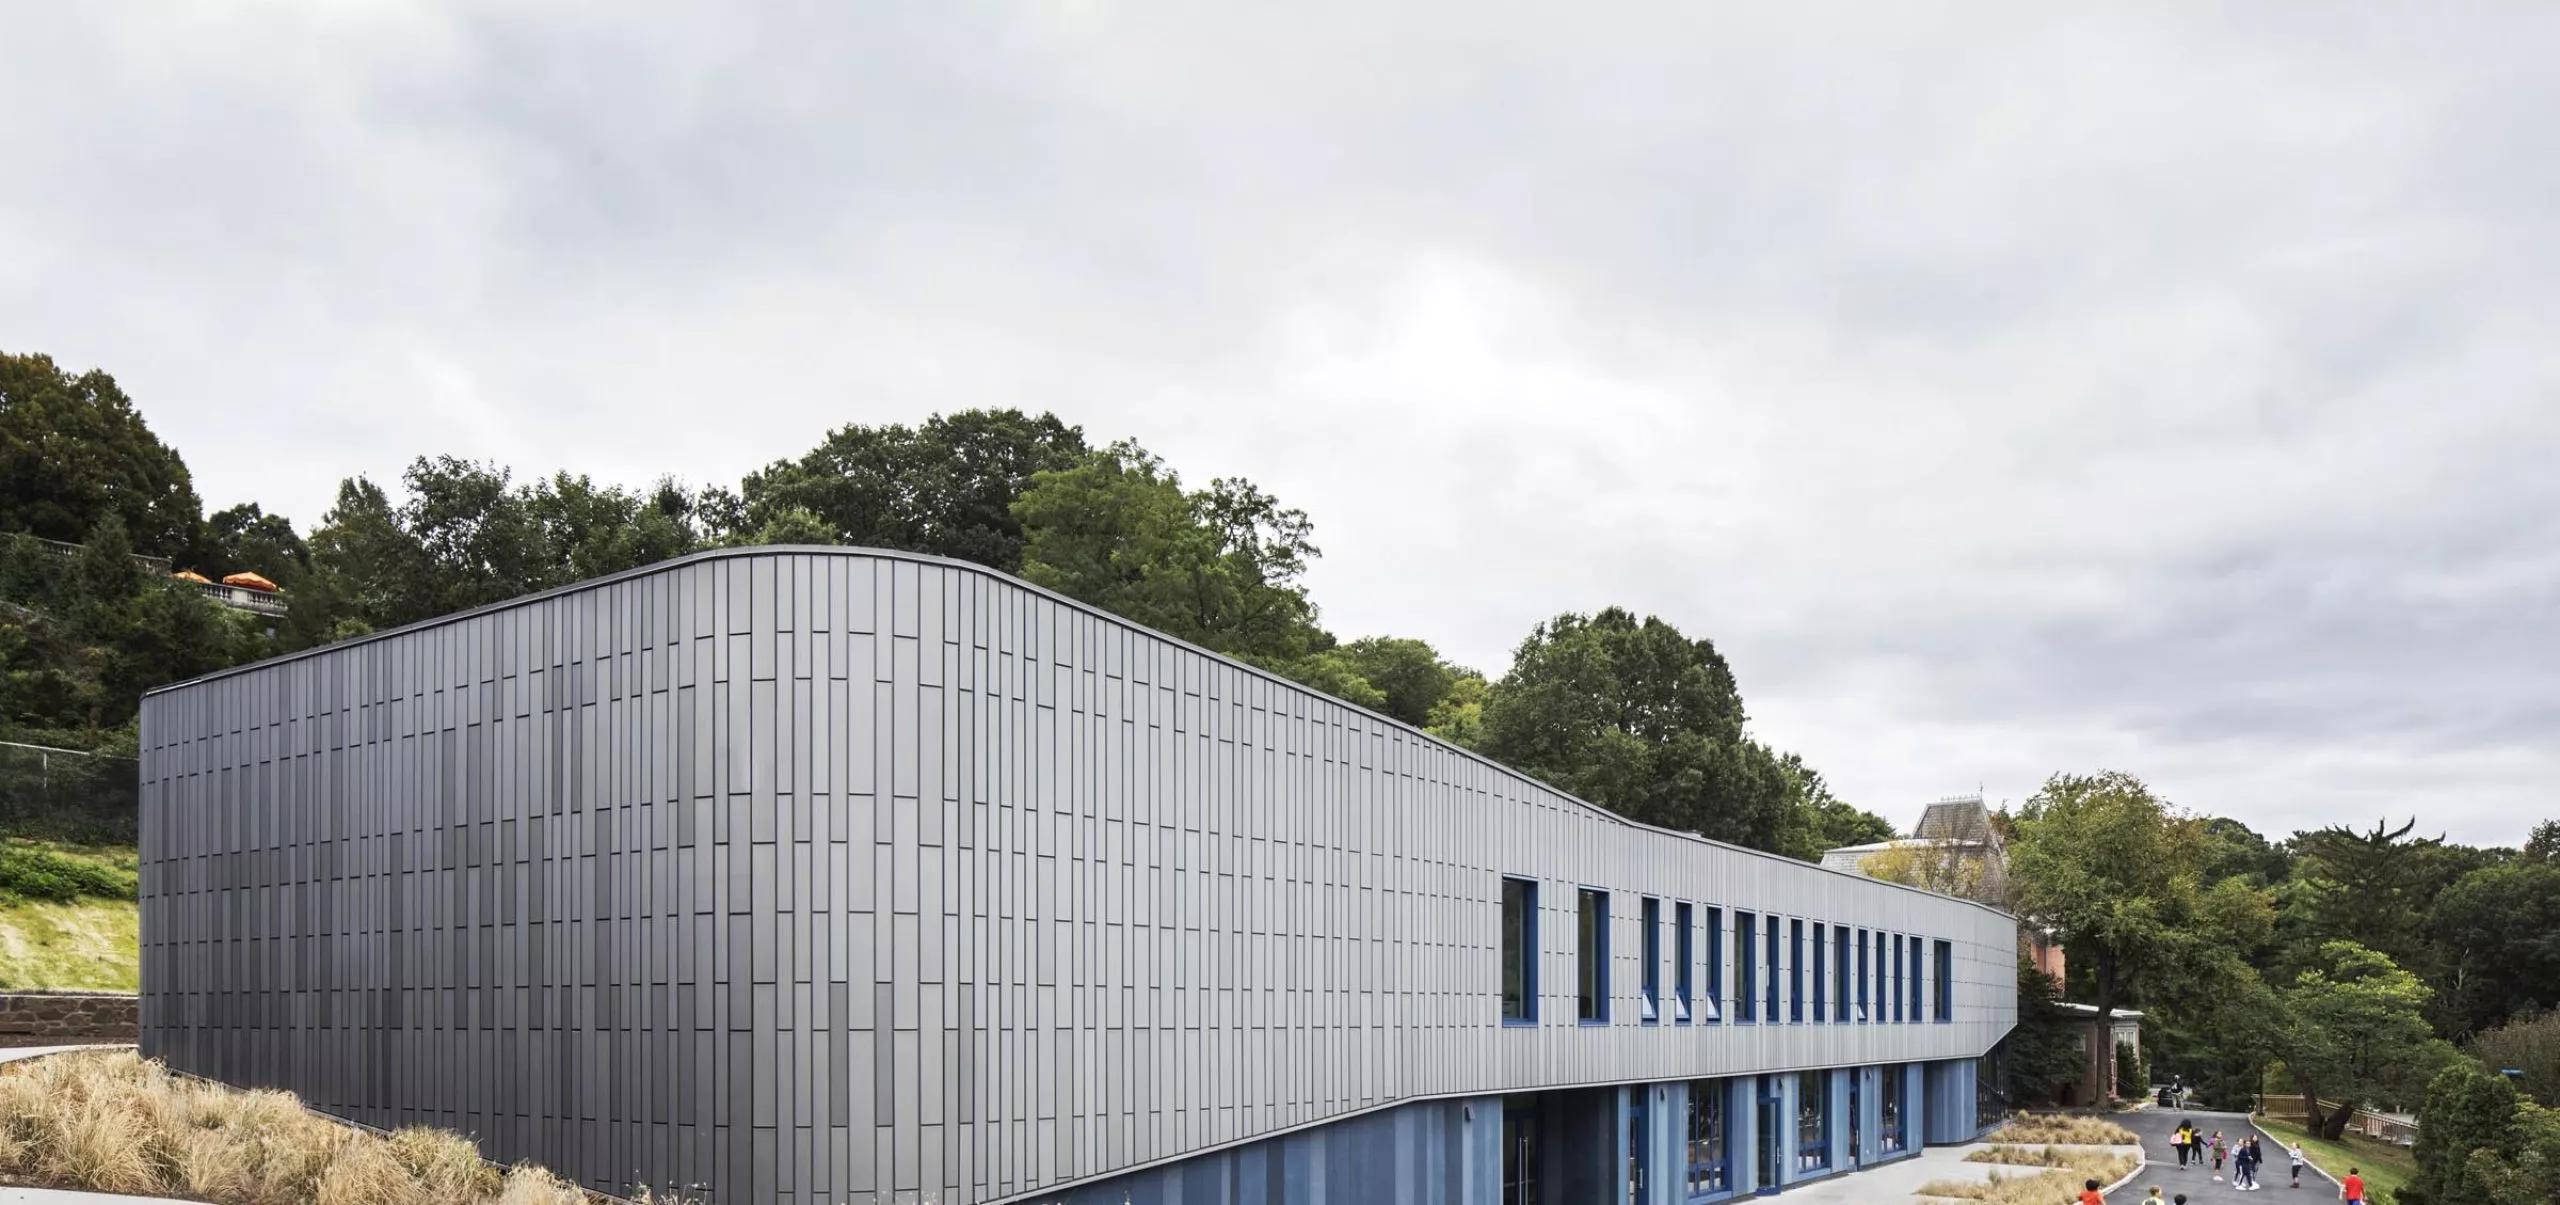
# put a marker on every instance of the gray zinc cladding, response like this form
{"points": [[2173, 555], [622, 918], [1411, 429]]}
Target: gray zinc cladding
{"points": [[813, 874]]}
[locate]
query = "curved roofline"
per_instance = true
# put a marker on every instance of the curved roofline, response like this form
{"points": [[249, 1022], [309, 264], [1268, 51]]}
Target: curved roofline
{"points": [[920, 558]]}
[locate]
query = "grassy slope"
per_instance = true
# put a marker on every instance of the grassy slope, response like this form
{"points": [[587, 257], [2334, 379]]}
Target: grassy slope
{"points": [[88, 943], [2386, 1167]]}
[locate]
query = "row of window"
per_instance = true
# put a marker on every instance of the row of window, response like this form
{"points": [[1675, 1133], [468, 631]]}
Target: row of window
{"points": [[1708, 1165], [1854, 975]]}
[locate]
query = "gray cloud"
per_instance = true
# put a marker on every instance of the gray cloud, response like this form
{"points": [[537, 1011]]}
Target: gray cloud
{"points": [[2162, 389]]}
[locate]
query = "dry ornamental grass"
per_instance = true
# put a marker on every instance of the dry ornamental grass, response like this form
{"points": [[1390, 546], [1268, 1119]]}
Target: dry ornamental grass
{"points": [[2080, 1131], [2025, 1156], [112, 1122], [2044, 1188]]}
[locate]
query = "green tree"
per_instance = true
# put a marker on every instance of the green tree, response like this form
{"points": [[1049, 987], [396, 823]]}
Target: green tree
{"points": [[1644, 721], [1818, 821], [1408, 674], [2496, 934], [1219, 567], [2467, 1109], [2530, 1045], [947, 487], [245, 538], [2542, 848], [2232, 848], [74, 450], [2528, 1172], [2043, 1052], [2358, 1033], [2112, 870], [1458, 717]]}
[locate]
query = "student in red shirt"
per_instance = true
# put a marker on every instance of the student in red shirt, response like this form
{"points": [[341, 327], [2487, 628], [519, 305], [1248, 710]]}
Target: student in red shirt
{"points": [[2089, 1194], [2351, 1190]]}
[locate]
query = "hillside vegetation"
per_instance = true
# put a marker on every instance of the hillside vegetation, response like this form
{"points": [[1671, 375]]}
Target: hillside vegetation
{"points": [[68, 917]]}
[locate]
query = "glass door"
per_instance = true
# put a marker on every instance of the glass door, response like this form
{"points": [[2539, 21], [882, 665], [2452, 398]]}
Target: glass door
{"points": [[1769, 1149]]}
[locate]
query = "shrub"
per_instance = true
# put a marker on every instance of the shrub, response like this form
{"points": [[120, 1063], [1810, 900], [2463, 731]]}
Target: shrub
{"points": [[34, 872], [114, 1122]]}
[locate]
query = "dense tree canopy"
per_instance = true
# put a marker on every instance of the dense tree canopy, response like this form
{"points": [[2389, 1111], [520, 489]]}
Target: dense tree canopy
{"points": [[73, 451], [946, 487]]}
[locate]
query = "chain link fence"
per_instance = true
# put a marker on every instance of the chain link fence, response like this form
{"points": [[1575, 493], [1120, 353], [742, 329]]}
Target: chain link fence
{"points": [[65, 795]]}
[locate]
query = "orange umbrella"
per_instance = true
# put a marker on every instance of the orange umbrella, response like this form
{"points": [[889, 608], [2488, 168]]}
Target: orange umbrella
{"points": [[190, 575], [248, 581]]}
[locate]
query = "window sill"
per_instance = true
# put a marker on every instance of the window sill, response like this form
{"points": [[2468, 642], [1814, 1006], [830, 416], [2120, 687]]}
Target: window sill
{"points": [[1602, 1023], [1519, 1023]]}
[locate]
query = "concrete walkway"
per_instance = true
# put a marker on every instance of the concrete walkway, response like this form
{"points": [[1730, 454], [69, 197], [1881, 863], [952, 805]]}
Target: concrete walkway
{"points": [[2196, 1179], [60, 1196]]}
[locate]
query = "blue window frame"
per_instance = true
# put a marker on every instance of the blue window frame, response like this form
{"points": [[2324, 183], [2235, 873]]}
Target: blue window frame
{"points": [[1772, 983], [1795, 971], [1946, 981], [1897, 978], [1863, 978], [1710, 1142], [1821, 942], [1813, 1120], [1882, 976], [1746, 964], [1592, 955], [1681, 952], [1919, 958], [1715, 965], [1649, 942], [1840, 973], [1519, 952]]}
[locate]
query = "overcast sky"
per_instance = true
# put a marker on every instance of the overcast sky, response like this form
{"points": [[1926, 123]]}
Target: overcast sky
{"points": [[2175, 391]]}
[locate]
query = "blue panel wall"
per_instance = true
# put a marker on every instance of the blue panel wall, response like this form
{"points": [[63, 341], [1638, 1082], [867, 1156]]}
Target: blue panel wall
{"points": [[1948, 1111], [1436, 1153]]}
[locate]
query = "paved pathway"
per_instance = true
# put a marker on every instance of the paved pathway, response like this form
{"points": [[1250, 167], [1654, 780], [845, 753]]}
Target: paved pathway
{"points": [[2155, 1126]]}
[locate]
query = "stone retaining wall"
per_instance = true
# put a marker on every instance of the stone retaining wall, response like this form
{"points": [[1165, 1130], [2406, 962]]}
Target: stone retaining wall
{"points": [[63, 1018]]}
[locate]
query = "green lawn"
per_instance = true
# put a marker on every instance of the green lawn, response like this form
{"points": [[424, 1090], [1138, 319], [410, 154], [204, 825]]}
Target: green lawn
{"points": [[2386, 1167], [84, 941]]}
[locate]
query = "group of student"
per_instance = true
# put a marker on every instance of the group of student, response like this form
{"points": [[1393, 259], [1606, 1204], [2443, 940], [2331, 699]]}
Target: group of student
{"points": [[2245, 1155]]}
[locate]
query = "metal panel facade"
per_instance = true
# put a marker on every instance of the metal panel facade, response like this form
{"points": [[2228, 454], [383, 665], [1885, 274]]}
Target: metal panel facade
{"points": [[807, 875]]}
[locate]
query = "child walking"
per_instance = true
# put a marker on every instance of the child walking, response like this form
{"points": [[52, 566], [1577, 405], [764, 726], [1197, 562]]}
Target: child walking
{"points": [[2297, 1164], [2217, 1155]]}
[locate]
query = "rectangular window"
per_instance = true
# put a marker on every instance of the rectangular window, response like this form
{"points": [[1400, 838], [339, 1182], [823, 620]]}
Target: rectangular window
{"points": [[1649, 941], [1746, 964], [1897, 978], [1813, 1120], [1681, 952], [1885, 973], [1592, 953], [1710, 1149], [1840, 973], [1821, 942], [1863, 978], [1520, 1154], [1911, 984], [1715, 964], [1771, 983], [1519, 952], [1946, 981], [1795, 971]]}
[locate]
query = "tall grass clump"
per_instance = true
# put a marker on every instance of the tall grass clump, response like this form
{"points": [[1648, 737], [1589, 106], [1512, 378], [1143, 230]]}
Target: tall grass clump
{"points": [[114, 1122], [2069, 1131], [2043, 1188]]}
